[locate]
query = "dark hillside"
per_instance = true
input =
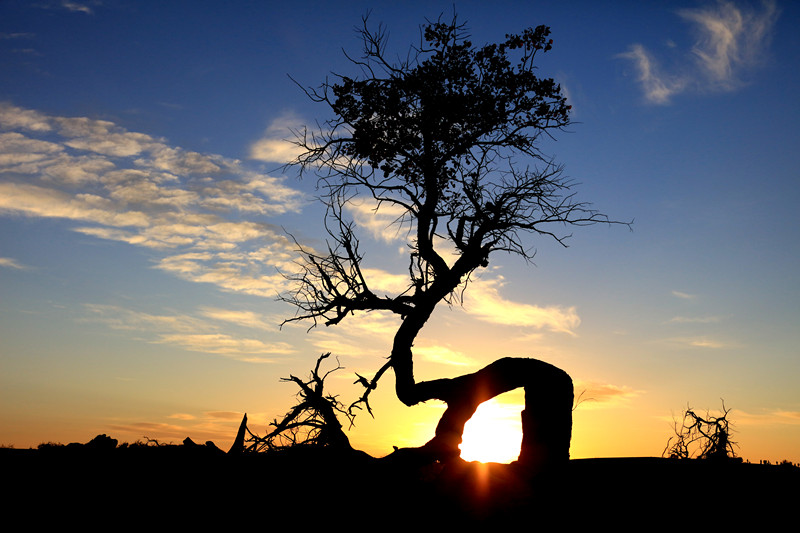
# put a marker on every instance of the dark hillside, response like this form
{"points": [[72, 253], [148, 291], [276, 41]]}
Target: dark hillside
{"points": [[196, 486]]}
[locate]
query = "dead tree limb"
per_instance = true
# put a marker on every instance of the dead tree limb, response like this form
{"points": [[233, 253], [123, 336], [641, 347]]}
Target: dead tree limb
{"points": [[701, 437], [312, 422]]}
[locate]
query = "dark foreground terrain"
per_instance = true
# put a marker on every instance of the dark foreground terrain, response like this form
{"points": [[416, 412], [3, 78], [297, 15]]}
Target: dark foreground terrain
{"points": [[304, 489]]}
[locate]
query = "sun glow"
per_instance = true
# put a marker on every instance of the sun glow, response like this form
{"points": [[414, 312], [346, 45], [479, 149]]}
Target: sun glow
{"points": [[493, 434]]}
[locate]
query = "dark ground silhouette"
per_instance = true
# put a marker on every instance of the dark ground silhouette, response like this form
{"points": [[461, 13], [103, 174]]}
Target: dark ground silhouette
{"points": [[310, 488]]}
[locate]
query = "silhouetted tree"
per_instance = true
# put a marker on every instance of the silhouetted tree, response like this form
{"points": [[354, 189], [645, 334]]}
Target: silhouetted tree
{"points": [[312, 422], [706, 437], [449, 138]]}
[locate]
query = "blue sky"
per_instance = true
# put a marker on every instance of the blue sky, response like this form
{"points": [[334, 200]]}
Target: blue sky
{"points": [[144, 211]]}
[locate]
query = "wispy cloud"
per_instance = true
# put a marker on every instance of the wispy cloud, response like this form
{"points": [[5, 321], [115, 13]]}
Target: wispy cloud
{"points": [[383, 222], [182, 416], [84, 6], [696, 320], [684, 295], [120, 318], [248, 350], [160, 431], [352, 346], [12, 117], [17, 35], [773, 417], [7, 262], [80, 7], [198, 334], [242, 318], [731, 41], [216, 426], [443, 355], [786, 417], [115, 184], [707, 343], [701, 342], [381, 281], [235, 271], [224, 415], [658, 86], [483, 300], [593, 395], [368, 335], [276, 145]]}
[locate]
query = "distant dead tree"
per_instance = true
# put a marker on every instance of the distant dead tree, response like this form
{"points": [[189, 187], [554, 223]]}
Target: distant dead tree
{"points": [[447, 137], [312, 422], [699, 437]]}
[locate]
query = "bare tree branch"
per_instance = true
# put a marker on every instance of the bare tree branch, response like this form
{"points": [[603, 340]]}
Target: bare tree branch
{"points": [[701, 437], [312, 422]]}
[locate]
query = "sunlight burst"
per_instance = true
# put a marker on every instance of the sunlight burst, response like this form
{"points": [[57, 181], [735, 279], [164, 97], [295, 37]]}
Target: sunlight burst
{"points": [[493, 434]]}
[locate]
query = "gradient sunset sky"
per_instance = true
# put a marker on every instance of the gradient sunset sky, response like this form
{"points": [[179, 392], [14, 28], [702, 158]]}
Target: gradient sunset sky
{"points": [[144, 218]]}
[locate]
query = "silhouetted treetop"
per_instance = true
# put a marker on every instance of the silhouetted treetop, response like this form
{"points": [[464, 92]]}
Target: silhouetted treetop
{"points": [[440, 111], [437, 134]]}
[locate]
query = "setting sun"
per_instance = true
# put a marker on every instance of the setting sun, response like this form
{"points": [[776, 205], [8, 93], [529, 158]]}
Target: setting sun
{"points": [[493, 434]]}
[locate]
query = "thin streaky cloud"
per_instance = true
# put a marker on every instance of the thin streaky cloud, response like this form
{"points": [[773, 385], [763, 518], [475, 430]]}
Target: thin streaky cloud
{"points": [[706, 343], [684, 295], [483, 301], [242, 318], [76, 7], [119, 318], [224, 415], [773, 417], [443, 355], [189, 332], [381, 324], [206, 426], [703, 342], [17, 35], [696, 320], [143, 428], [248, 350], [369, 334], [7, 262], [182, 416], [787, 417], [593, 395], [341, 344]]}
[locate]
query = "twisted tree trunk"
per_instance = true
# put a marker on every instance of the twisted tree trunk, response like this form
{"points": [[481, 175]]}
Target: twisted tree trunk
{"points": [[546, 420]]}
